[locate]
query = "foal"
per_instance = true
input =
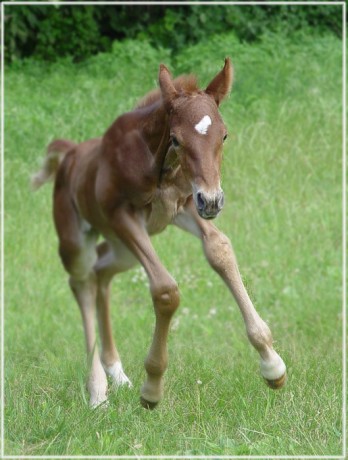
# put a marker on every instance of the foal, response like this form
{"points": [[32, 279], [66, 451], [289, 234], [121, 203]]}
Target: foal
{"points": [[156, 165]]}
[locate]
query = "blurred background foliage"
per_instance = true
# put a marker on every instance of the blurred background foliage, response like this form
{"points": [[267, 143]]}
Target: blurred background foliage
{"points": [[49, 32]]}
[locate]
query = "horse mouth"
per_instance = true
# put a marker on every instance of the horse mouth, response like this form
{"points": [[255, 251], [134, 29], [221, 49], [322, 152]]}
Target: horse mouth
{"points": [[209, 216]]}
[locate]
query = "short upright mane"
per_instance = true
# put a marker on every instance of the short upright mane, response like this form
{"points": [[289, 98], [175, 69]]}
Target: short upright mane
{"points": [[183, 84]]}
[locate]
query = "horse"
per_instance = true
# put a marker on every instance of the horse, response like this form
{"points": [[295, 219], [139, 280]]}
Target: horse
{"points": [[155, 166]]}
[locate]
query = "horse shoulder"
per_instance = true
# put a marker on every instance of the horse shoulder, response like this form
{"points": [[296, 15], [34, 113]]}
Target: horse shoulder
{"points": [[126, 166]]}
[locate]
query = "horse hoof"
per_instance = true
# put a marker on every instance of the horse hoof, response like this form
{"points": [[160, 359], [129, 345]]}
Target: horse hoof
{"points": [[148, 404], [277, 383]]}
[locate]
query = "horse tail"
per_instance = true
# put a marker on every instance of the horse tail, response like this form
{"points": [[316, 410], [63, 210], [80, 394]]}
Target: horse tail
{"points": [[56, 151]]}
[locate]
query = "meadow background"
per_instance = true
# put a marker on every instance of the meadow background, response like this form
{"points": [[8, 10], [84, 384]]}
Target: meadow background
{"points": [[282, 176]]}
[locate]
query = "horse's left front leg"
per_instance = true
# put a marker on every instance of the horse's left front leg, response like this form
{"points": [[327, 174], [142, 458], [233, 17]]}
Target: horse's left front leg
{"points": [[219, 253], [165, 295]]}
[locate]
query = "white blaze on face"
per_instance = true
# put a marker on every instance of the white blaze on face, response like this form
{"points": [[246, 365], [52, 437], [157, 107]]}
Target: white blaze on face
{"points": [[203, 125]]}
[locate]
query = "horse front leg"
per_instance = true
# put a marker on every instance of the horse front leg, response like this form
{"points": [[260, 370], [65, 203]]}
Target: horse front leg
{"points": [[165, 296], [219, 253]]}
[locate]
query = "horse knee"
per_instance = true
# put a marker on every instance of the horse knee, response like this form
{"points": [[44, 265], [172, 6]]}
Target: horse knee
{"points": [[166, 298]]}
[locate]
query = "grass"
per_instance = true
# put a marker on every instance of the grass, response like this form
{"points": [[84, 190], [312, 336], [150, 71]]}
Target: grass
{"points": [[282, 179]]}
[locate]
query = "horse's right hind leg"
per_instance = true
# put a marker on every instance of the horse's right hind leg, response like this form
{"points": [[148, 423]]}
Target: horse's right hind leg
{"points": [[111, 260], [78, 253], [85, 294]]}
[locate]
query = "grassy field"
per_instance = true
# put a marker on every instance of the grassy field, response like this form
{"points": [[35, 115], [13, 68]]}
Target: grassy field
{"points": [[282, 178]]}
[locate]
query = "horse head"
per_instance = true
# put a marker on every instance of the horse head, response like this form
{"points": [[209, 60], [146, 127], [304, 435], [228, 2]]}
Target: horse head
{"points": [[197, 133]]}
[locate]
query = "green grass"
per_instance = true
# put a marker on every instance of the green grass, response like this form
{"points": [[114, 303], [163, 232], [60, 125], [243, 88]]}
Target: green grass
{"points": [[282, 179]]}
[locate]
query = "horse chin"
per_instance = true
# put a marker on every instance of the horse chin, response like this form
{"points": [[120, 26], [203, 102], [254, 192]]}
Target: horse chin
{"points": [[207, 216]]}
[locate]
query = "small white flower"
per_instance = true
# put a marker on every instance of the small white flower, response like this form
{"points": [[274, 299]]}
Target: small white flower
{"points": [[199, 382]]}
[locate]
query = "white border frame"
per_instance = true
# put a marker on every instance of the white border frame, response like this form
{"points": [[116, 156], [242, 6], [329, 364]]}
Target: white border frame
{"points": [[344, 240]]}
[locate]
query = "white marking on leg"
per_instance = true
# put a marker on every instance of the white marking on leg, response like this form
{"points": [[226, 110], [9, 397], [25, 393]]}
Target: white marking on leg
{"points": [[203, 125], [273, 368], [116, 372]]}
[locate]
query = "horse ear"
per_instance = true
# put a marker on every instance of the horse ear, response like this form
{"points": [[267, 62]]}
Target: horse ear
{"points": [[169, 93], [221, 85]]}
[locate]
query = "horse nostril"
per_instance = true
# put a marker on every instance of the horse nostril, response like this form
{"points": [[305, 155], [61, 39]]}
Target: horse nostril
{"points": [[201, 203]]}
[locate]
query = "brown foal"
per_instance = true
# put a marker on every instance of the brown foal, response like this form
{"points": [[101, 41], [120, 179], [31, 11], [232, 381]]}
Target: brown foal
{"points": [[156, 165]]}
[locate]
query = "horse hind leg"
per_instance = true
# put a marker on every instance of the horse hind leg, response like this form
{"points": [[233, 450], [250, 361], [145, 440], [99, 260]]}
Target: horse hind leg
{"points": [[111, 260], [78, 254], [85, 294]]}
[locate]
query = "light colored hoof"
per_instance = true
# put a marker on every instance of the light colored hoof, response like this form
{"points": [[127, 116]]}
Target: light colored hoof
{"points": [[273, 371], [118, 377], [98, 401], [277, 383]]}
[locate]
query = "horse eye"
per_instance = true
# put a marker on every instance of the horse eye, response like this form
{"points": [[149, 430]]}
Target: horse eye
{"points": [[225, 137], [175, 142]]}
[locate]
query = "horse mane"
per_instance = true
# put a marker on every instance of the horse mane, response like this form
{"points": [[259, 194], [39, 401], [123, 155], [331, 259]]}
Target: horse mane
{"points": [[186, 84]]}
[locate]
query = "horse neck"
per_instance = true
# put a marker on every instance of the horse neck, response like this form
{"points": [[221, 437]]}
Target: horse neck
{"points": [[156, 133]]}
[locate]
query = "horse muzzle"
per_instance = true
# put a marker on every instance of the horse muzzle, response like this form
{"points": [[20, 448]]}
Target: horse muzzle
{"points": [[208, 205]]}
